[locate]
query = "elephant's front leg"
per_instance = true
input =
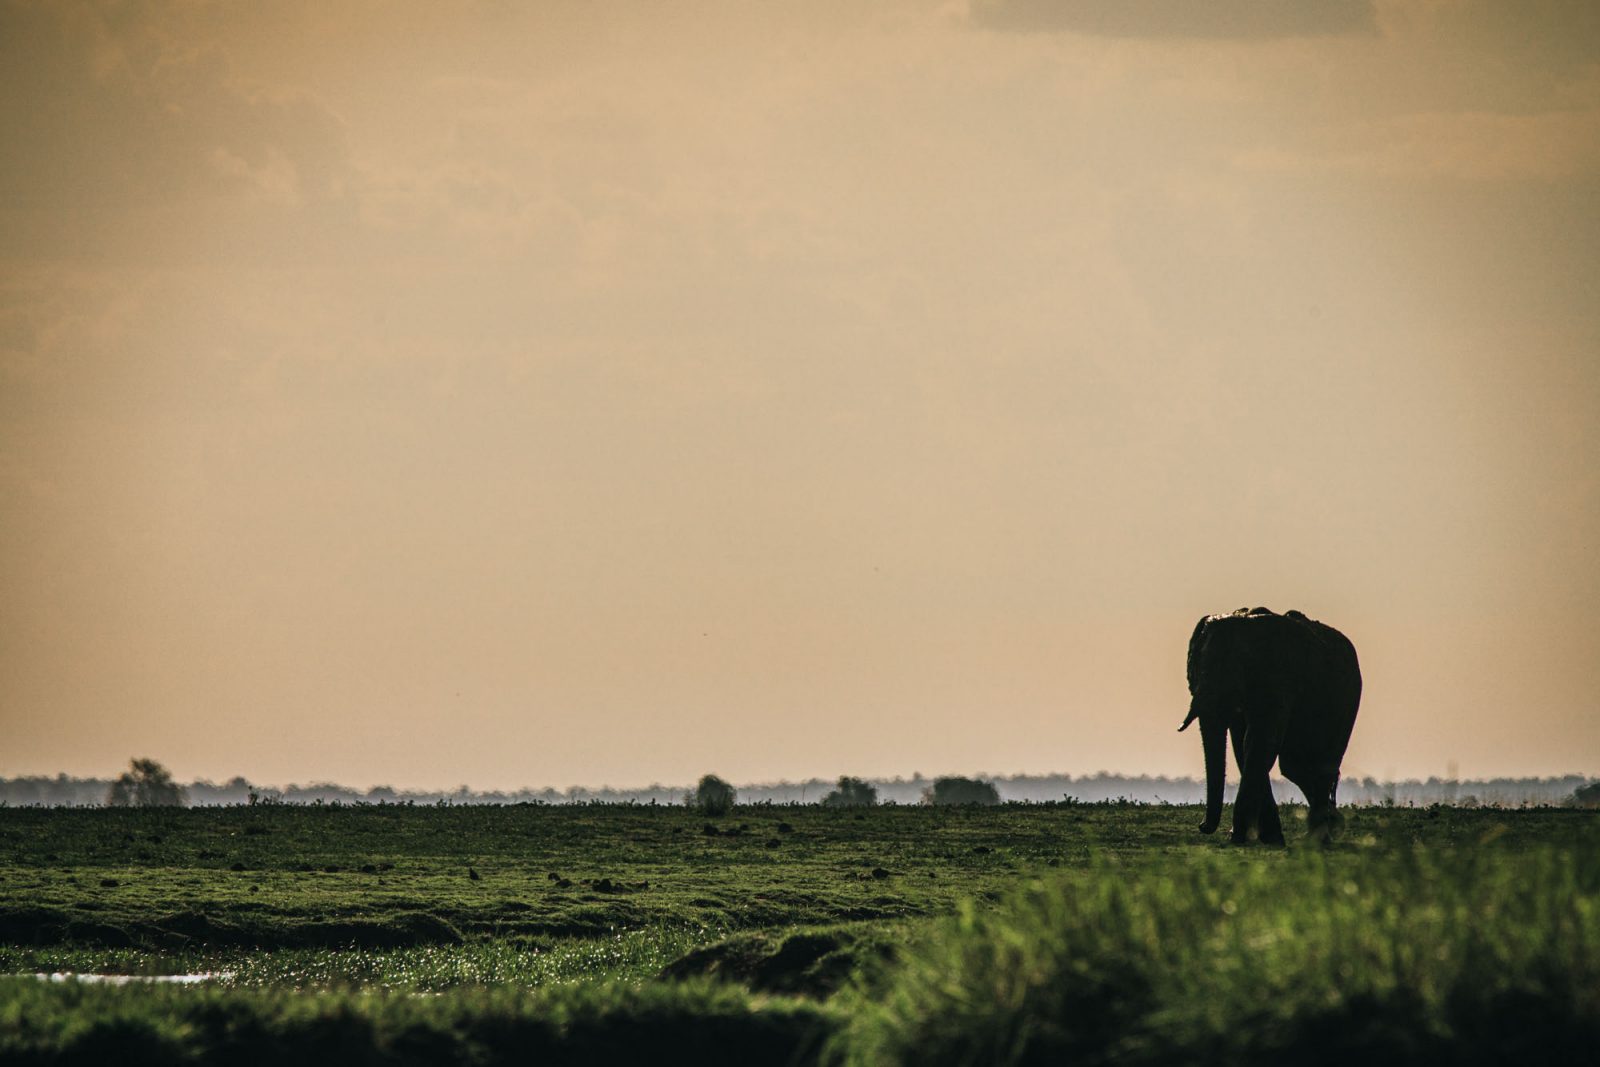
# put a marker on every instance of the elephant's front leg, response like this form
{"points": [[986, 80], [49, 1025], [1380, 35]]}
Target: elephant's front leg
{"points": [[1255, 793], [1241, 821], [1269, 824], [1254, 807]]}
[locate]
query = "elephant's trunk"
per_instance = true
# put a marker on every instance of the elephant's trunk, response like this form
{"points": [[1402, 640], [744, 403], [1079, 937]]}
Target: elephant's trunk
{"points": [[1214, 735]]}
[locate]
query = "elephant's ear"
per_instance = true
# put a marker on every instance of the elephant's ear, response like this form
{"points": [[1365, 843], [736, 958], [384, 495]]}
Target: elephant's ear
{"points": [[1196, 641]]}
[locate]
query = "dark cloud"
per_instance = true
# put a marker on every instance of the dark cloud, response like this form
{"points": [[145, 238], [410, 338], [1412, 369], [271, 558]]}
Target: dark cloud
{"points": [[1554, 37], [1202, 19], [120, 136]]}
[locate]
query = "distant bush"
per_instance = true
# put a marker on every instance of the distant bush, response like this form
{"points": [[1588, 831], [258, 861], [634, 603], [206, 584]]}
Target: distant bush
{"points": [[712, 796], [957, 790], [1587, 796], [851, 793], [145, 784]]}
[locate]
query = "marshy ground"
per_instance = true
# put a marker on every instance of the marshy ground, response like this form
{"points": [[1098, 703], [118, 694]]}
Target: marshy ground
{"points": [[1106, 933]]}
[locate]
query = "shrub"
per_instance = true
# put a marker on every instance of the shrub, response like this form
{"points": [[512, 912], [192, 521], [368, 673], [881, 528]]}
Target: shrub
{"points": [[145, 784], [712, 796], [957, 790], [694, 1023], [1483, 954], [1587, 796], [851, 793]]}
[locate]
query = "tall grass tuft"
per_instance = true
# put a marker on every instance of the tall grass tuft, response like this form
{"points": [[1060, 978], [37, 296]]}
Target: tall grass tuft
{"points": [[1484, 954], [694, 1024]]}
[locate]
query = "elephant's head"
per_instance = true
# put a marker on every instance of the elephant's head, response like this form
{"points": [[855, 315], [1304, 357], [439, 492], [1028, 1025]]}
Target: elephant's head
{"points": [[1219, 667]]}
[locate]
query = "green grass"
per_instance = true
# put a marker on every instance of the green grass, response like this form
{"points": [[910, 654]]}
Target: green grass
{"points": [[380, 877], [1476, 954], [1100, 933], [698, 1022], [632, 955], [394, 876]]}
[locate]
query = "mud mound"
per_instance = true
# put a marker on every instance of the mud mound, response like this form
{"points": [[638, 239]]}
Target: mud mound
{"points": [[196, 929], [813, 963], [53, 926], [399, 931]]}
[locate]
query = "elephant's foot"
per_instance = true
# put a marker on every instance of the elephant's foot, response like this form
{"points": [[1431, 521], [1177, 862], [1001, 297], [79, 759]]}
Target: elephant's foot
{"points": [[1323, 822], [1272, 837]]}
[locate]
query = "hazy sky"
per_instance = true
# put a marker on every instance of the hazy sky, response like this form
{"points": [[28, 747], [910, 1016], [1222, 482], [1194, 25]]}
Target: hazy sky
{"points": [[554, 393]]}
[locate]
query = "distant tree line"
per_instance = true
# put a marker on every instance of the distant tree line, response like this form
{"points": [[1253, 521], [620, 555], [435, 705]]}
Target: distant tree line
{"points": [[65, 791]]}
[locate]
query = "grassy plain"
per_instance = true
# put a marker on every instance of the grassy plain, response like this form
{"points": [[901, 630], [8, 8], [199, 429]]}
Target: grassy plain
{"points": [[1105, 933]]}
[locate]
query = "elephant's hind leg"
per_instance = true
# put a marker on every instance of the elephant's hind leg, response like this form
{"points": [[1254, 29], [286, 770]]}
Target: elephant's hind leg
{"points": [[1313, 784], [1324, 817]]}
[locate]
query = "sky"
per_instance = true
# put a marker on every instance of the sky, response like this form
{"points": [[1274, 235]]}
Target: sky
{"points": [[432, 393]]}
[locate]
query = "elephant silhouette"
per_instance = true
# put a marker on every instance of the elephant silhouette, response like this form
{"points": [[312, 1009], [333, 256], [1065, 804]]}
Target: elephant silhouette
{"points": [[1286, 689]]}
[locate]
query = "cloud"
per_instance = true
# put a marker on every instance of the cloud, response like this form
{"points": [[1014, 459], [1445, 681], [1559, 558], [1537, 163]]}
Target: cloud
{"points": [[1473, 147], [119, 134], [1214, 20]]}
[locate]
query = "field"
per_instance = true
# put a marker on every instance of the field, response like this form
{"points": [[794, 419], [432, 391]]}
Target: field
{"points": [[579, 934]]}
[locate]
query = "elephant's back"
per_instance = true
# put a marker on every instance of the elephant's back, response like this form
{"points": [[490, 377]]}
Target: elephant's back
{"points": [[1340, 667], [1340, 650]]}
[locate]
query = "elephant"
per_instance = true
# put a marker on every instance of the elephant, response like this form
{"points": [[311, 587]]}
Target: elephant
{"points": [[1286, 688]]}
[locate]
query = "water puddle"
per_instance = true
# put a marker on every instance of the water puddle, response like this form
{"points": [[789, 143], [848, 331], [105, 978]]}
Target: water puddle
{"points": [[129, 979]]}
